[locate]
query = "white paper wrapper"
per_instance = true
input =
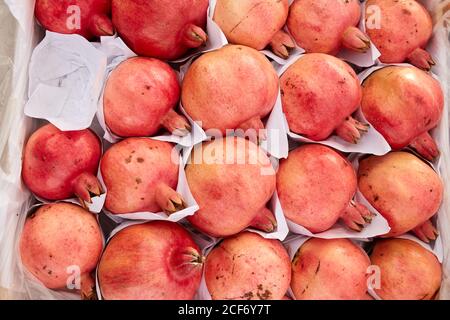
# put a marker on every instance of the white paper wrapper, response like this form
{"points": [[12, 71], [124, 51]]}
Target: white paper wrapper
{"points": [[276, 144], [371, 142], [116, 52], [182, 189], [66, 78]]}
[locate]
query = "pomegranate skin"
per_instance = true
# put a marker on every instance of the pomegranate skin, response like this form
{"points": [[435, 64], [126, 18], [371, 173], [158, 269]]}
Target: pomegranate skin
{"points": [[56, 237], [150, 28], [57, 15], [405, 27], [136, 171], [248, 267], [230, 189], [324, 26], [60, 164], [315, 185], [319, 93], [153, 261], [407, 270], [230, 88], [329, 270], [239, 20], [138, 95], [403, 104], [403, 188]]}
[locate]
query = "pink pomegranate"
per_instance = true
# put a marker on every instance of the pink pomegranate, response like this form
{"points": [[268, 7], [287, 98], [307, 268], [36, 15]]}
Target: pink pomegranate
{"points": [[326, 26], [248, 267], [400, 30], [239, 20], [404, 189], [319, 93], [231, 179], [421, 272], [88, 18], [163, 29], [316, 185], [139, 99], [58, 165], [329, 270], [140, 175], [58, 238], [403, 104], [153, 261], [230, 88]]}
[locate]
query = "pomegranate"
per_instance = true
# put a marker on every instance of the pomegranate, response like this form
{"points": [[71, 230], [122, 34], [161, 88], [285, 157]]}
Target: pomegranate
{"points": [[247, 266], [407, 270], [151, 28], [239, 20], [158, 260], [88, 18], [140, 175], [231, 179], [319, 93], [139, 99], [404, 189], [400, 30], [316, 185], [59, 164], [329, 270], [57, 239], [325, 26], [403, 104], [231, 88]]}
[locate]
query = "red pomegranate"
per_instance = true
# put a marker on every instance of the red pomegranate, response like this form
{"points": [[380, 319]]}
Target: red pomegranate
{"points": [[163, 29], [333, 269], [141, 174], [402, 32], [420, 276], [316, 186], [152, 261], [404, 189], [230, 88], [403, 104], [325, 26], [319, 94], [58, 239], [88, 18], [239, 20], [248, 267], [60, 164], [139, 99], [232, 180]]}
